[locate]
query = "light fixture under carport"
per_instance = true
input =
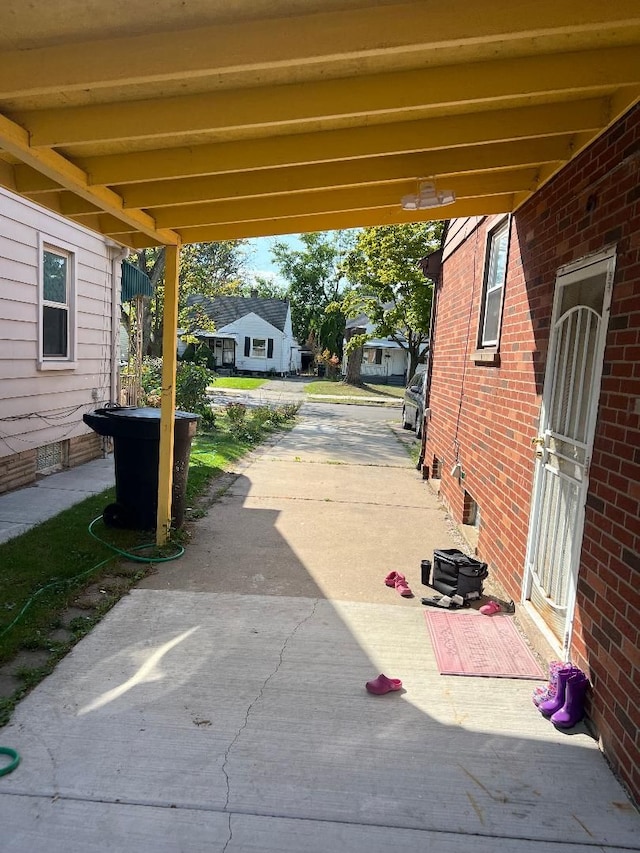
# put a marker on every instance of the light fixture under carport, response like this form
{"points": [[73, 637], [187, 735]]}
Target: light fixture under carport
{"points": [[427, 196]]}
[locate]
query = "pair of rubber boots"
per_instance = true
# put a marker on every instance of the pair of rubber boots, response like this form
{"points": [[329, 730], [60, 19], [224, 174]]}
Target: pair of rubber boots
{"points": [[563, 699]]}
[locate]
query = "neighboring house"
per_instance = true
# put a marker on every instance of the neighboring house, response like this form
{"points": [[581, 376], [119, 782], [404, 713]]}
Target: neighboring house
{"points": [[252, 335], [533, 427], [383, 359], [59, 330]]}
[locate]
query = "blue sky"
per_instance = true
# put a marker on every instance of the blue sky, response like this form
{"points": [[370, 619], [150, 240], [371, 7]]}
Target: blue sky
{"points": [[259, 257]]}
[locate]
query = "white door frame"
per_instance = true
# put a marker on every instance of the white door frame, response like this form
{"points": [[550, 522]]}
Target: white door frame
{"points": [[602, 262]]}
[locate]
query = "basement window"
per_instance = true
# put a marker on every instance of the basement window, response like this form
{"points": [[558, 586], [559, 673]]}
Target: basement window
{"points": [[51, 457]]}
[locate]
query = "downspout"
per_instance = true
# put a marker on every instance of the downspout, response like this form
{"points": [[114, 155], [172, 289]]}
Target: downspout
{"points": [[432, 329], [118, 254]]}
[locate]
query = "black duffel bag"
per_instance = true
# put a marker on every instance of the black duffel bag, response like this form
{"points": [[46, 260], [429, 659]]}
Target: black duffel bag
{"points": [[454, 573]]}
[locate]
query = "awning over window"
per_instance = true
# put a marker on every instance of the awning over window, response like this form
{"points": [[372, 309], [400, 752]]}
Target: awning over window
{"points": [[135, 282]]}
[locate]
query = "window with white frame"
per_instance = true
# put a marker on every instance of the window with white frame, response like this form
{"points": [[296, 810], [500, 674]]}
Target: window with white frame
{"points": [[57, 309], [258, 347], [494, 279], [372, 356]]}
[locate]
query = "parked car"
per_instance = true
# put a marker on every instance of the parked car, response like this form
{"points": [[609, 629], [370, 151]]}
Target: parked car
{"points": [[413, 406]]}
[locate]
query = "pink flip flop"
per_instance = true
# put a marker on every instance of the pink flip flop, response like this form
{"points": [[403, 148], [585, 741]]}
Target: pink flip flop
{"points": [[403, 587], [490, 608], [392, 577], [382, 684]]}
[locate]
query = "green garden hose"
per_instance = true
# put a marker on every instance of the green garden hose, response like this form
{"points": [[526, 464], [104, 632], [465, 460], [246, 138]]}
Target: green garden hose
{"points": [[5, 750], [15, 760], [135, 557]]}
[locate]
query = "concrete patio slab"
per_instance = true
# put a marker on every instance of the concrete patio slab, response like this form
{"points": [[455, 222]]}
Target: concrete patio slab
{"points": [[230, 706], [220, 706]]}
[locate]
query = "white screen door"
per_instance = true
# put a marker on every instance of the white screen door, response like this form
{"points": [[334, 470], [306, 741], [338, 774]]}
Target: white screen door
{"points": [[565, 440]]}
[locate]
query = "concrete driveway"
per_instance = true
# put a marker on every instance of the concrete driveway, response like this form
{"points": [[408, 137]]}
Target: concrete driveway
{"points": [[221, 705]]}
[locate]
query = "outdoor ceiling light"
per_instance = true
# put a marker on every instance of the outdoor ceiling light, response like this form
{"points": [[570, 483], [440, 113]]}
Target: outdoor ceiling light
{"points": [[427, 196]]}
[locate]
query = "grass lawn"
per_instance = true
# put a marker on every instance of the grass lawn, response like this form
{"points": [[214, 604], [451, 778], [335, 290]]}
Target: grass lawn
{"points": [[323, 387], [245, 383], [52, 555], [54, 565]]}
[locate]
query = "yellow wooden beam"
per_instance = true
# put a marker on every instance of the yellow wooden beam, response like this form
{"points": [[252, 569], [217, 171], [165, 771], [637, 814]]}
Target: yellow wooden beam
{"points": [[168, 397], [15, 140], [392, 215], [31, 182], [405, 33], [401, 94], [338, 200], [466, 160], [7, 176], [403, 137], [135, 240], [66, 203]]}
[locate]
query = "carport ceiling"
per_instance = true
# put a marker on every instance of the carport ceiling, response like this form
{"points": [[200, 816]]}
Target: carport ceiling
{"points": [[159, 122]]}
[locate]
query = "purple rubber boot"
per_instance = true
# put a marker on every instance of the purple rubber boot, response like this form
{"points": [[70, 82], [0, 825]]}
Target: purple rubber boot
{"points": [[550, 706], [573, 709], [541, 694]]}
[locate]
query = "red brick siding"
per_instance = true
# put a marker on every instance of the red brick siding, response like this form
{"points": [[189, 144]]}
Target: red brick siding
{"points": [[488, 414]]}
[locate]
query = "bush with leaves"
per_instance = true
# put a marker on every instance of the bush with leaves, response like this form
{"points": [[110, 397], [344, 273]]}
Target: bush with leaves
{"points": [[251, 424], [191, 388]]}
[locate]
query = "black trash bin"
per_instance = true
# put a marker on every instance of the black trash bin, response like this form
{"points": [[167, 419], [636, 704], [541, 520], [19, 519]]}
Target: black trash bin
{"points": [[136, 448]]}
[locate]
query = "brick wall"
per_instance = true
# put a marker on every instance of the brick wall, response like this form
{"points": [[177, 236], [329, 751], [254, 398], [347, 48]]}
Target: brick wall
{"points": [[19, 469], [485, 416], [83, 448]]}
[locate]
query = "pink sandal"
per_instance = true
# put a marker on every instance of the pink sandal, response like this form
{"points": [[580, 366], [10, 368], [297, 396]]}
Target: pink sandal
{"points": [[382, 684], [391, 578], [490, 608], [403, 587]]}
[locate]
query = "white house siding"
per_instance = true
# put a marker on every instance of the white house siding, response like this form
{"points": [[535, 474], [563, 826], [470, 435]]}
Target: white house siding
{"points": [[255, 327], [291, 347], [40, 407]]}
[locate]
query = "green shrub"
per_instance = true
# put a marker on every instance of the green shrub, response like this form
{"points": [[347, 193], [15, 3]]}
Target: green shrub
{"points": [[251, 424], [204, 355], [191, 388], [236, 413], [189, 353]]}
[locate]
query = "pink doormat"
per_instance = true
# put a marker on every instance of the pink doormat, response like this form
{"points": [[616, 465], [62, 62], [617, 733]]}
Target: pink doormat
{"points": [[473, 644]]}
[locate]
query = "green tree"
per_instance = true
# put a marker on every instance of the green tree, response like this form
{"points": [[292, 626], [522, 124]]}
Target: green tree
{"points": [[211, 269], [265, 288], [316, 280], [388, 285]]}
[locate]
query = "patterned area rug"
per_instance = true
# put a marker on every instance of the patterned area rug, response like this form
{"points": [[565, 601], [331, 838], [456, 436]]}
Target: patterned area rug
{"points": [[473, 644]]}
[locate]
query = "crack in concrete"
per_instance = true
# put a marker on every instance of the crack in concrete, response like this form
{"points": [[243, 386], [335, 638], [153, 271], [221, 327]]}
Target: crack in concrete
{"points": [[250, 708]]}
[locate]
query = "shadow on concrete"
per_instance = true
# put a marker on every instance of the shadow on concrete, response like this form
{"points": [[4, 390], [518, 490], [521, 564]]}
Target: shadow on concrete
{"points": [[245, 724]]}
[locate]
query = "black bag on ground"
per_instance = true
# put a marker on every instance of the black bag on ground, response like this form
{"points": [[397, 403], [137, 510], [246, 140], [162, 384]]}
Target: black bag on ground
{"points": [[454, 573]]}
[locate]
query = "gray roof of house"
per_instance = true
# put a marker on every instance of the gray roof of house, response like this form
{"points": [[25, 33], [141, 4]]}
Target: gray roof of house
{"points": [[362, 320], [226, 309]]}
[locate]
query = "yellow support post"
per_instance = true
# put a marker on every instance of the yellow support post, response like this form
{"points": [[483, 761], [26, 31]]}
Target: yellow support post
{"points": [[168, 400]]}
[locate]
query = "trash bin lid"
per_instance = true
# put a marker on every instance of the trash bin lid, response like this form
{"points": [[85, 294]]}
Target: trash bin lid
{"points": [[144, 413]]}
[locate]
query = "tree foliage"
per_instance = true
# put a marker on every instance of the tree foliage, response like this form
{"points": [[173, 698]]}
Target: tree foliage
{"points": [[388, 285], [211, 269], [265, 287], [316, 279]]}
